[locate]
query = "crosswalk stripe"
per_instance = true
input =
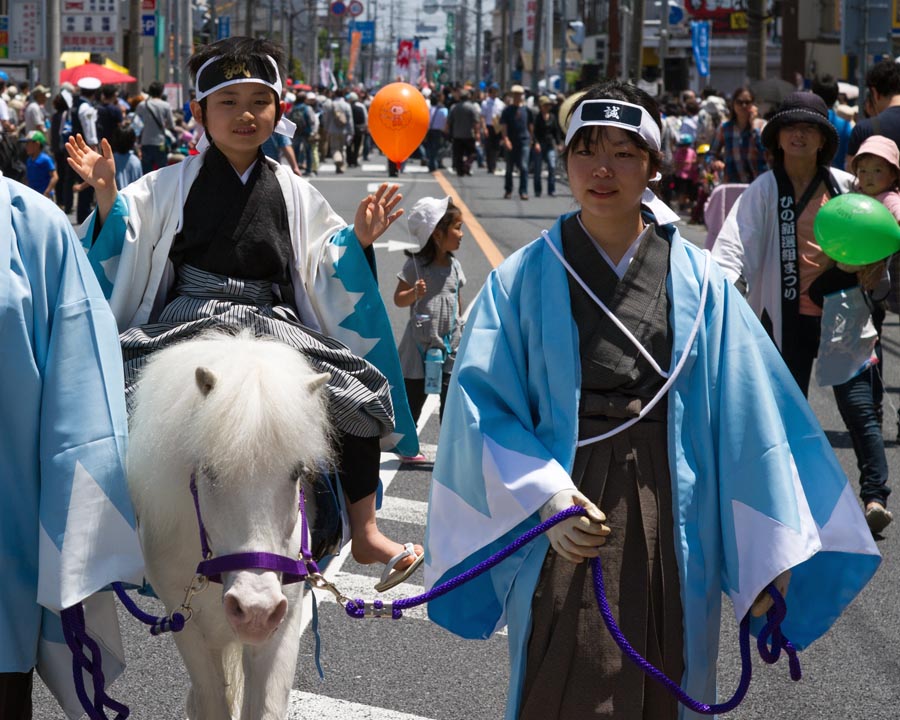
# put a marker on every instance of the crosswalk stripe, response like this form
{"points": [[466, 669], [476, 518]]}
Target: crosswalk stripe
{"points": [[403, 510], [307, 706]]}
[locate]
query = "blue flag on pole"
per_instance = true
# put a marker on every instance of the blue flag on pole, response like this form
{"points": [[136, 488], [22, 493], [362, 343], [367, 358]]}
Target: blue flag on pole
{"points": [[700, 32]]}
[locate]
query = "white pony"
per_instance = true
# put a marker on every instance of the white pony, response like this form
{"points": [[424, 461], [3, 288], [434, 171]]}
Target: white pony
{"points": [[248, 416]]}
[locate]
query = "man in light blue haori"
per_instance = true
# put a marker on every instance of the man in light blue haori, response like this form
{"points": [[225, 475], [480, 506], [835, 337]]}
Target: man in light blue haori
{"points": [[66, 523]]}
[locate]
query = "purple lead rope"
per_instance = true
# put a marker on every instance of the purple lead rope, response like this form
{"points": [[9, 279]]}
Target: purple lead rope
{"points": [[775, 616]]}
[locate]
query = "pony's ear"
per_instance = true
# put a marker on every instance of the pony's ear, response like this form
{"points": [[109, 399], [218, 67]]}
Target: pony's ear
{"points": [[317, 381], [206, 381]]}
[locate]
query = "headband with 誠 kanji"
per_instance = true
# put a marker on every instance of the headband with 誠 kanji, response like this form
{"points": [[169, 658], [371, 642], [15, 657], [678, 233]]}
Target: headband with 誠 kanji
{"points": [[616, 113]]}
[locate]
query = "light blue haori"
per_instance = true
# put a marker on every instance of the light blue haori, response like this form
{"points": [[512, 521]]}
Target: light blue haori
{"points": [[756, 488], [66, 523], [334, 289]]}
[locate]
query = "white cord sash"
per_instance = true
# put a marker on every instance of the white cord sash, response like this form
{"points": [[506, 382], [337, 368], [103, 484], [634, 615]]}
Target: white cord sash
{"points": [[670, 376]]}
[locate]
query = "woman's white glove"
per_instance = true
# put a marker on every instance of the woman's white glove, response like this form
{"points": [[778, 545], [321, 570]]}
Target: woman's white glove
{"points": [[764, 601], [575, 538]]}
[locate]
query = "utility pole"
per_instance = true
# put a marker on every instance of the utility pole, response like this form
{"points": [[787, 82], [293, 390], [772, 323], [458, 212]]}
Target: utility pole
{"points": [[636, 44], [248, 18], [793, 50], [176, 40], [462, 35], [313, 72], [615, 41], [504, 45], [563, 44], [54, 44], [134, 41], [663, 44], [187, 47], [548, 35], [536, 46], [756, 40], [479, 39]]}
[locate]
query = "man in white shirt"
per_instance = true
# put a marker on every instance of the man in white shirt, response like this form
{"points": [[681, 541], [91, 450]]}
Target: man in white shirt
{"points": [[6, 124], [156, 117], [491, 107], [35, 119], [437, 124], [85, 122]]}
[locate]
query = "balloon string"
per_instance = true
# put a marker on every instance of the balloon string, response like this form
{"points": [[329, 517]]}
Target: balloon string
{"points": [[416, 270]]}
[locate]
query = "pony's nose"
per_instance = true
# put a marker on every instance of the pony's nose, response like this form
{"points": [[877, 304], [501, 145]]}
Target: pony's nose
{"points": [[254, 622]]}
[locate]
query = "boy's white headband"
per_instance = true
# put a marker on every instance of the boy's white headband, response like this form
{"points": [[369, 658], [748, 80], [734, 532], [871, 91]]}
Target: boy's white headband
{"points": [[219, 72], [626, 116]]}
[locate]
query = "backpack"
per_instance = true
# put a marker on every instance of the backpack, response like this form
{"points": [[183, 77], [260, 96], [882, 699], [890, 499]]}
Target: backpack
{"points": [[76, 118], [340, 115], [11, 162], [65, 128], [688, 127], [301, 119], [359, 115]]}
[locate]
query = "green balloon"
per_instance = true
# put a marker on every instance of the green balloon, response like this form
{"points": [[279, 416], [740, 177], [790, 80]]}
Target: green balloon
{"points": [[856, 229]]}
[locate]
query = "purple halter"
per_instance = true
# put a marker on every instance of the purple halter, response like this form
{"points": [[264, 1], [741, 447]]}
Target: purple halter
{"points": [[291, 570]]}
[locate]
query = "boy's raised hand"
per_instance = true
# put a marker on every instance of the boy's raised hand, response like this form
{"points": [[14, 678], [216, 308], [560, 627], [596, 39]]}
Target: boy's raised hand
{"points": [[98, 171], [376, 214]]}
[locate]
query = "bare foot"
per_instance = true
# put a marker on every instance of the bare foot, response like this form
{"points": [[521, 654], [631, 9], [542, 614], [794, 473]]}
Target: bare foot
{"points": [[371, 546], [368, 545]]}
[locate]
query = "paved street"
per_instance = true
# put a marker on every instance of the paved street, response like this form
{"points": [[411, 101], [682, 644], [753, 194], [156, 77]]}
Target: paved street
{"points": [[411, 669]]}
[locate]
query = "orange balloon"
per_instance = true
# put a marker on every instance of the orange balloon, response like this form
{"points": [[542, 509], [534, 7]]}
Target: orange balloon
{"points": [[398, 120]]}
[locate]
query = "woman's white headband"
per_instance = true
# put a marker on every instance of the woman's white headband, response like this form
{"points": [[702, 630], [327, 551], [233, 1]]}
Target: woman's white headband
{"points": [[626, 116]]}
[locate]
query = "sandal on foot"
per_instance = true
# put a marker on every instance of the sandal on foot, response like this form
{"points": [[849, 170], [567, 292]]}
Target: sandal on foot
{"points": [[878, 518], [390, 577]]}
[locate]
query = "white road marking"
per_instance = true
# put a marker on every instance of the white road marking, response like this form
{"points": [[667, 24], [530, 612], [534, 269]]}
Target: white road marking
{"points": [[395, 245], [307, 706], [403, 510]]}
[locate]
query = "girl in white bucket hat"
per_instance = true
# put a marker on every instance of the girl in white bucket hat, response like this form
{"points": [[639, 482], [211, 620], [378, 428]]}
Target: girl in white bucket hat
{"points": [[429, 286]]}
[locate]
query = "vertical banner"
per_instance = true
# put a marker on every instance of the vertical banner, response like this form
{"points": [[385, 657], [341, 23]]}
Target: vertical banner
{"points": [[355, 42], [700, 32], [423, 64], [528, 29], [4, 36], [414, 63], [450, 43], [326, 77], [404, 53]]}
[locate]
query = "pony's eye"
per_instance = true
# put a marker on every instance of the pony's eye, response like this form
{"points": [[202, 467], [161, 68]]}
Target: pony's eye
{"points": [[209, 472], [299, 473]]}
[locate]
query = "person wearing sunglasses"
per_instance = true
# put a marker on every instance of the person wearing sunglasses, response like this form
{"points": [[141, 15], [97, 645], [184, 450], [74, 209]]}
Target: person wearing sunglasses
{"points": [[737, 150]]}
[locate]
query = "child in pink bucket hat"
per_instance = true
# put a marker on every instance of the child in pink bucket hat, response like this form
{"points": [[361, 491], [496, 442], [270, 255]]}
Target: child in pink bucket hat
{"points": [[877, 170]]}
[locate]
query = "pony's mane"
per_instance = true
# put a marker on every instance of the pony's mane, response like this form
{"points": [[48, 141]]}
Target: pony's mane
{"points": [[261, 416]]}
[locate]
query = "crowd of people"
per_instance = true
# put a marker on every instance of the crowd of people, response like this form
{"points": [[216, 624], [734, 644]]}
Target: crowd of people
{"points": [[195, 218]]}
